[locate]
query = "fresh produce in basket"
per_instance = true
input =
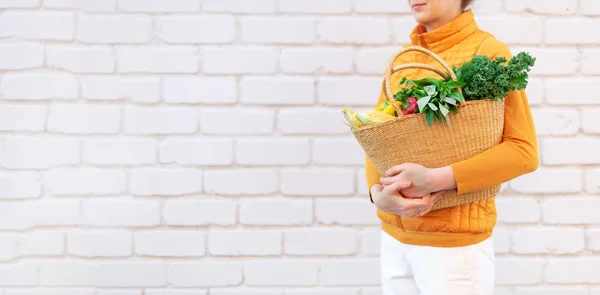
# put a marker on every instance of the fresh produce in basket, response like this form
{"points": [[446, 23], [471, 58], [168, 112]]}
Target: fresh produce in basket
{"points": [[478, 79], [467, 102]]}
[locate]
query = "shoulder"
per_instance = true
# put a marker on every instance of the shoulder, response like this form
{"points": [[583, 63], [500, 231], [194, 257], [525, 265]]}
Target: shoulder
{"points": [[493, 48]]}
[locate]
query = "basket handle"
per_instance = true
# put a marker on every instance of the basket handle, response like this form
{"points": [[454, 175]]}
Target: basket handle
{"points": [[390, 69]]}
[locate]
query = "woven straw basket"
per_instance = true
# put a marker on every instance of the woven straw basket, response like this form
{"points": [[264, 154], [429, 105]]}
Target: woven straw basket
{"points": [[477, 127]]}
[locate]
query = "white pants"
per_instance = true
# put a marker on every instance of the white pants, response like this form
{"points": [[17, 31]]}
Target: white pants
{"points": [[414, 270]]}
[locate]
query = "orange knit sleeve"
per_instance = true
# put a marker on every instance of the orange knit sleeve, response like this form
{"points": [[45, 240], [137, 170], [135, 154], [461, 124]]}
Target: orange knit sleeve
{"points": [[518, 152]]}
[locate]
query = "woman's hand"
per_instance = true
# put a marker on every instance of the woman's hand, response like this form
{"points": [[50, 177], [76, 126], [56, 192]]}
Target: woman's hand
{"points": [[390, 200], [423, 180]]}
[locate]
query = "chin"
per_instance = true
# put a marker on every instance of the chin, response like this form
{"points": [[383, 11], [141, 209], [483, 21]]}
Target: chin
{"points": [[422, 19]]}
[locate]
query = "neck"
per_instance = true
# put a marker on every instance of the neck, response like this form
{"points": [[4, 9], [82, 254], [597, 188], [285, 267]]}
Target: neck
{"points": [[442, 21]]}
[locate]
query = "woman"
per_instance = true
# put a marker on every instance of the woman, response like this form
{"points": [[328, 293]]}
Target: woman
{"points": [[448, 251]]}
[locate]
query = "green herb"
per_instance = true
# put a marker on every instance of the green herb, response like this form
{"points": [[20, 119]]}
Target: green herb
{"points": [[435, 98], [493, 79]]}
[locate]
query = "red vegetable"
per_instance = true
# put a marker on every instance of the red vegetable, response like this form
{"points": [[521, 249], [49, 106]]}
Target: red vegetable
{"points": [[412, 106]]}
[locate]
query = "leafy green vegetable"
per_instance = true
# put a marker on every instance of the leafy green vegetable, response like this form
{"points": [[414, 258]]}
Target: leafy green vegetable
{"points": [[493, 79]]}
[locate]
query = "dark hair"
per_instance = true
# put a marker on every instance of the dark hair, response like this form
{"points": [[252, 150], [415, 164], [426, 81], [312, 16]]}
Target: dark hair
{"points": [[466, 3]]}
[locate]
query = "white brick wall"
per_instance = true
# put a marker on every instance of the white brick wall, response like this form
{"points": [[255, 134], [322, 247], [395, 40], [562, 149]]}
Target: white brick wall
{"points": [[194, 147]]}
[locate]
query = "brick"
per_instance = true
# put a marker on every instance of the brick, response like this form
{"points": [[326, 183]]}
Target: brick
{"points": [[519, 271], [502, 240], [66, 272], [237, 60], [577, 270], [377, 290], [239, 6], [313, 120], [196, 29], [554, 290], [86, 181], [542, 7], [80, 59], [22, 117], [245, 243], [131, 274], [248, 181], [267, 30], [374, 61], [21, 55], [593, 239], [326, 242], [338, 151], [122, 292], [82, 5], [592, 181], [121, 212], [355, 272], [165, 181], [50, 291], [57, 26], [118, 151], [276, 211], [556, 122], [346, 212], [42, 243], [99, 243], [26, 215], [39, 86], [589, 7], [21, 274], [571, 210], [249, 291], [352, 30], [589, 58], [349, 91], [158, 59], [518, 210], [114, 29], [84, 119], [136, 89], [568, 31], [380, 6], [277, 91], [283, 272], [535, 91], [205, 274], [324, 291], [488, 7], [156, 121], [169, 243], [551, 240], [246, 121], [402, 27], [590, 121], [323, 182], [581, 151], [20, 185], [571, 91], [514, 29], [315, 6], [19, 3], [174, 292], [316, 60], [361, 187], [206, 151], [198, 213], [203, 90], [370, 242], [549, 181], [27, 152], [160, 6], [564, 60], [9, 246], [259, 151]]}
